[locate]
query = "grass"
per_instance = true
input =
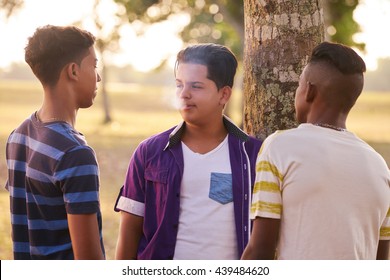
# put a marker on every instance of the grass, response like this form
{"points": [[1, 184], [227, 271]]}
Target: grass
{"points": [[139, 112]]}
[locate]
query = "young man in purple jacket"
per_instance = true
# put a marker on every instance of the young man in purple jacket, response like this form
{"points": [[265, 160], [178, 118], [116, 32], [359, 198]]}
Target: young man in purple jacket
{"points": [[187, 190]]}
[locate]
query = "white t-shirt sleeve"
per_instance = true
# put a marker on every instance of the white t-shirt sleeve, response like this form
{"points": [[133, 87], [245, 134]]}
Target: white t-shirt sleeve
{"points": [[267, 198]]}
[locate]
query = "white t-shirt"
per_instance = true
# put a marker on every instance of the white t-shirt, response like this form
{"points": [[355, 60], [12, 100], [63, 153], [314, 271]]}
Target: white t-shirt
{"points": [[329, 188], [206, 221]]}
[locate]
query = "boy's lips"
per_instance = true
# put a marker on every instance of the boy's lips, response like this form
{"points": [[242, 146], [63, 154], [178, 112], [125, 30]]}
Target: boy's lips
{"points": [[186, 106]]}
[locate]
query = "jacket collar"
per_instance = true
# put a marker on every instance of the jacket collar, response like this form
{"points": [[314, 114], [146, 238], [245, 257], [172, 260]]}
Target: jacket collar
{"points": [[175, 135]]}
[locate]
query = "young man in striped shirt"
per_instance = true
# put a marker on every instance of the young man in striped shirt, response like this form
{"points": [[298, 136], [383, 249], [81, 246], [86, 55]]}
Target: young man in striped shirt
{"points": [[52, 172]]}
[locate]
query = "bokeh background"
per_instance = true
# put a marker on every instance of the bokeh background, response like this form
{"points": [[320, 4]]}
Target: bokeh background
{"points": [[137, 98]]}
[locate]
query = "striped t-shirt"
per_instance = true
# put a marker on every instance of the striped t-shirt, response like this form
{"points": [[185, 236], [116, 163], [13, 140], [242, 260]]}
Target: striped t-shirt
{"points": [[52, 172]]}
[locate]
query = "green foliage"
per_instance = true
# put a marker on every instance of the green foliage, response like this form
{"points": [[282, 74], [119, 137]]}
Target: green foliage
{"points": [[218, 21], [340, 13], [136, 9], [222, 21], [210, 21]]}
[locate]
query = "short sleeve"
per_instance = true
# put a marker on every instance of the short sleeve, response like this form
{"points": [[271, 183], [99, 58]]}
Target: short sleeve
{"points": [[266, 198], [77, 174], [385, 229]]}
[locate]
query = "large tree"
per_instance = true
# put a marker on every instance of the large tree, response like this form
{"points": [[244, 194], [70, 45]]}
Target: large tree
{"points": [[279, 37]]}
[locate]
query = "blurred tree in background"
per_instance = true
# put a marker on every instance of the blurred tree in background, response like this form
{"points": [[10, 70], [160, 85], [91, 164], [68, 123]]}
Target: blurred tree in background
{"points": [[222, 21], [10, 6], [339, 22], [218, 21]]}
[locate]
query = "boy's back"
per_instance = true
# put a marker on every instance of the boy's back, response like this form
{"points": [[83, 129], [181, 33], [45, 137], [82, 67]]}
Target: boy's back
{"points": [[330, 182], [44, 185]]}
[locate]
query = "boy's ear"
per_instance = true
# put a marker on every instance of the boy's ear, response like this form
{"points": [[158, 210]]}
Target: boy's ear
{"points": [[72, 71], [311, 92], [226, 93]]}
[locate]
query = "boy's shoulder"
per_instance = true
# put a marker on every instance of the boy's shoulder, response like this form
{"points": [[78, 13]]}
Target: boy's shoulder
{"points": [[281, 137], [159, 139]]}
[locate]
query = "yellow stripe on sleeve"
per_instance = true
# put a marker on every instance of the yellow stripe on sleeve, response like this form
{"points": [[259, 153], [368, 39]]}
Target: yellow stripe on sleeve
{"points": [[268, 167], [266, 187], [268, 207], [385, 232]]}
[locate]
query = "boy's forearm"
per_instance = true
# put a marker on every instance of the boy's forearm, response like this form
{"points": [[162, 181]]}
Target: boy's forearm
{"points": [[84, 233], [130, 233], [263, 242], [383, 250]]}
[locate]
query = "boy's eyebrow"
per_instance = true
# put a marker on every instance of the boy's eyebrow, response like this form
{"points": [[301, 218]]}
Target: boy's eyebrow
{"points": [[191, 82], [197, 83]]}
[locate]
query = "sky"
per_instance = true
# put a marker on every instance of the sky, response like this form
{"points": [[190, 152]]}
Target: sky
{"points": [[144, 53], [161, 40], [374, 19]]}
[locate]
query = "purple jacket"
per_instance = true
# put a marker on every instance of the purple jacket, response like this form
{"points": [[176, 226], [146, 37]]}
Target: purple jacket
{"points": [[152, 188]]}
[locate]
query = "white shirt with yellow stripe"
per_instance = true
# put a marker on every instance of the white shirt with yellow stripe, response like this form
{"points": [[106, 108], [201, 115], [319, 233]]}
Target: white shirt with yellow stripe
{"points": [[330, 189]]}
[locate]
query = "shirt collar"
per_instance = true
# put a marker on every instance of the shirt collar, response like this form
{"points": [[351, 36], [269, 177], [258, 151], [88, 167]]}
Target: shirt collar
{"points": [[175, 135]]}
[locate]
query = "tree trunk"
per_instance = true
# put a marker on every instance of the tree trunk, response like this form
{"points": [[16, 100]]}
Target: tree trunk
{"points": [[106, 103], [278, 40]]}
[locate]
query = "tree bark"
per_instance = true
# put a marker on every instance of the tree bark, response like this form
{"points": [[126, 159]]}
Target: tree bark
{"points": [[279, 36]]}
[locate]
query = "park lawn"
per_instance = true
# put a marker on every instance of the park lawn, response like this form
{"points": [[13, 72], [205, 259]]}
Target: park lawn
{"points": [[139, 112]]}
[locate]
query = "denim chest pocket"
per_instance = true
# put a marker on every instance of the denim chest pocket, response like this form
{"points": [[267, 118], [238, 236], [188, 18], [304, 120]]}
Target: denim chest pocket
{"points": [[221, 187]]}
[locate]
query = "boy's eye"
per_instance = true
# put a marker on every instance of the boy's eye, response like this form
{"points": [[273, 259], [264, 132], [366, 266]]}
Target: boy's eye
{"points": [[197, 86]]}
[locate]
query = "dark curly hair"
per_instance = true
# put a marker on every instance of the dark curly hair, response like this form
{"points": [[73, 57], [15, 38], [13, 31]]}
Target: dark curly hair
{"points": [[53, 47]]}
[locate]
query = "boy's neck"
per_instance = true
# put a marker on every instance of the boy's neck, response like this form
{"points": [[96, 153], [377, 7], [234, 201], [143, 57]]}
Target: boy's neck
{"points": [[203, 139]]}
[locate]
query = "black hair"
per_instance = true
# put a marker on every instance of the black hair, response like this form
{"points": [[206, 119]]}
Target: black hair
{"points": [[344, 58], [221, 63]]}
